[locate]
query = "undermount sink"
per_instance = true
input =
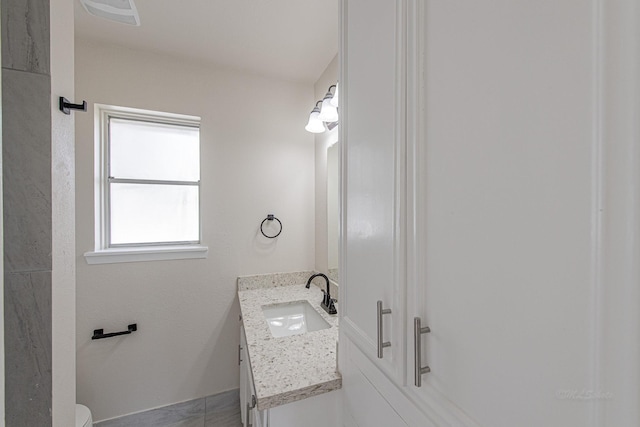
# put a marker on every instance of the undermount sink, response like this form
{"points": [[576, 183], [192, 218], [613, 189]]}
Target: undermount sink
{"points": [[293, 318]]}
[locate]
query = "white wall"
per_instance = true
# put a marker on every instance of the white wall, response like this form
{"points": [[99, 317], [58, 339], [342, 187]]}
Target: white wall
{"points": [[63, 217], [256, 159], [322, 142]]}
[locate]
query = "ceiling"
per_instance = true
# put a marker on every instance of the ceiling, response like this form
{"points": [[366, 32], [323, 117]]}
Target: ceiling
{"points": [[289, 39]]}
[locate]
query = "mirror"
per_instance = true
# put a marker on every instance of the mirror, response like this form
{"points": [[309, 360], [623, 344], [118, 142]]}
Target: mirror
{"points": [[333, 209]]}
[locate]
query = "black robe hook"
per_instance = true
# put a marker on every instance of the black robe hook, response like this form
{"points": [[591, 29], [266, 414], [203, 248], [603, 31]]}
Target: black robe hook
{"points": [[66, 106]]}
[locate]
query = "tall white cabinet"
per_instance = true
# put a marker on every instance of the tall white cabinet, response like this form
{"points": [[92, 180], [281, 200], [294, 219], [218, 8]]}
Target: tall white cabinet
{"points": [[490, 188]]}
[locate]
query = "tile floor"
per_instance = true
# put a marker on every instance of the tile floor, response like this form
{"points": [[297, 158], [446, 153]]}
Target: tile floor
{"points": [[220, 410]]}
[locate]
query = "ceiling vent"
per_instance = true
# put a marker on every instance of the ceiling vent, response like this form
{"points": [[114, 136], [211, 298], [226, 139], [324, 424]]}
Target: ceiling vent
{"points": [[122, 11]]}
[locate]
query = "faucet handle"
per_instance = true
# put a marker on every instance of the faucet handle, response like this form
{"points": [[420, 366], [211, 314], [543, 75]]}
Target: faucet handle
{"points": [[325, 298], [328, 303], [331, 307]]}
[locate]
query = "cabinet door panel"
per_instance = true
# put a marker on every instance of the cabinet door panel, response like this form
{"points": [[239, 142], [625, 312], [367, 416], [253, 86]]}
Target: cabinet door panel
{"points": [[502, 268], [371, 151], [364, 405], [245, 387], [260, 418], [317, 411]]}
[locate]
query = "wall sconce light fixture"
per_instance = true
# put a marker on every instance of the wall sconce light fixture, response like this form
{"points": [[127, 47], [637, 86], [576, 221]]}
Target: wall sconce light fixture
{"points": [[315, 125], [326, 113], [334, 100]]}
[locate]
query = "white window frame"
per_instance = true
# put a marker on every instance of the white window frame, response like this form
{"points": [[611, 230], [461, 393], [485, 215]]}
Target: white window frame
{"points": [[104, 252]]}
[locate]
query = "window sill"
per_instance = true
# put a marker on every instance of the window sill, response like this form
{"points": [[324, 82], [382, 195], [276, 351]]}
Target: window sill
{"points": [[151, 253]]}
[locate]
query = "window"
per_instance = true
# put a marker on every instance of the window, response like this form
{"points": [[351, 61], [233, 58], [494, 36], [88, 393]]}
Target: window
{"points": [[147, 186]]}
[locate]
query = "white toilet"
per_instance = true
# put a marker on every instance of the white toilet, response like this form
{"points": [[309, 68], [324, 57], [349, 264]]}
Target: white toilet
{"points": [[83, 416]]}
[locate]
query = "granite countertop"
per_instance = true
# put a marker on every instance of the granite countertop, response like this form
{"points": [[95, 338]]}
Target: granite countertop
{"points": [[291, 368]]}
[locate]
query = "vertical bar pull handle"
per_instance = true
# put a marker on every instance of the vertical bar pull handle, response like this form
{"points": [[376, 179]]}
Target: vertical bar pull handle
{"points": [[381, 343], [250, 406], [418, 330]]}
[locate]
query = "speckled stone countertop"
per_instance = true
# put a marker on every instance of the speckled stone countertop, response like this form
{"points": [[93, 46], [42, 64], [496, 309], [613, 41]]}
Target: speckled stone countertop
{"points": [[292, 368]]}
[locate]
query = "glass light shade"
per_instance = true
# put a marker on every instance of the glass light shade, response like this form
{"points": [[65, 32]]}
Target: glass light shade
{"points": [[315, 125], [328, 113], [334, 100]]}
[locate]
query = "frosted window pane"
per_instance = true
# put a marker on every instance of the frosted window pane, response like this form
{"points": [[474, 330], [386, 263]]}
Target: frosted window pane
{"points": [[150, 213], [143, 150]]}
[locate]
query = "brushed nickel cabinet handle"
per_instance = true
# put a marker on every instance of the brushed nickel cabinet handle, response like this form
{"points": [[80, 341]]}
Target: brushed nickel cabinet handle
{"points": [[418, 330], [250, 406], [381, 343]]}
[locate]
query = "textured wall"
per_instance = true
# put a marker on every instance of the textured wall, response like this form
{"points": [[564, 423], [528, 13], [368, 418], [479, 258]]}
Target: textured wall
{"points": [[256, 159], [63, 298], [26, 145]]}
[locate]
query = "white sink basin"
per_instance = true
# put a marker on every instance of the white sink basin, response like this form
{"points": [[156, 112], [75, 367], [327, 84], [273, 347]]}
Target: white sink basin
{"points": [[293, 318]]}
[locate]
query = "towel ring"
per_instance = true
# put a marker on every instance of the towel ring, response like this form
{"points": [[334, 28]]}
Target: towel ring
{"points": [[270, 217]]}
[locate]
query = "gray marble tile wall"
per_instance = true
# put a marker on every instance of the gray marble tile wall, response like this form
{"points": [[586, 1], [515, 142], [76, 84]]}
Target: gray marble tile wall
{"points": [[220, 410], [27, 348], [26, 151], [25, 35], [26, 137]]}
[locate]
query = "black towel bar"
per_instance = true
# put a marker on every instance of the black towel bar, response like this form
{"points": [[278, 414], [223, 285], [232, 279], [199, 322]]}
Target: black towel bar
{"points": [[99, 334]]}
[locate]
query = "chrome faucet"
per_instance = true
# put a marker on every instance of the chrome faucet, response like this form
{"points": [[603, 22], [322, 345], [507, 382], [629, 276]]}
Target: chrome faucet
{"points": [[328, 303]]}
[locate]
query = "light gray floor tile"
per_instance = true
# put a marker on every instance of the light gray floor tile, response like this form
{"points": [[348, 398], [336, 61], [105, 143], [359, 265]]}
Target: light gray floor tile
{"points": [[228, 418], [187, 414], [195, 422], [220, 410], [223, 410]]}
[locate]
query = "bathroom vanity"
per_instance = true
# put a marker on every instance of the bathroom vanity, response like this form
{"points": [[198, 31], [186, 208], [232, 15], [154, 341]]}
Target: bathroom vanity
{"points": [[287, 354]]}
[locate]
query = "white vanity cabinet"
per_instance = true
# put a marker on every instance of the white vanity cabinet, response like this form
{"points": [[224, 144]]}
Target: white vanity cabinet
{"points": [[471, 196], [316, 411], [247, 392], [251, 417]]}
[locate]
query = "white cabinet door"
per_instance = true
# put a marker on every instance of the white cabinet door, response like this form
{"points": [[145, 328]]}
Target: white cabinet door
{"points": [[259, 418], [245, 385], [503, 223], [372, 254], [364, 405], [250, 415], [317, 411], [497, 245]]}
